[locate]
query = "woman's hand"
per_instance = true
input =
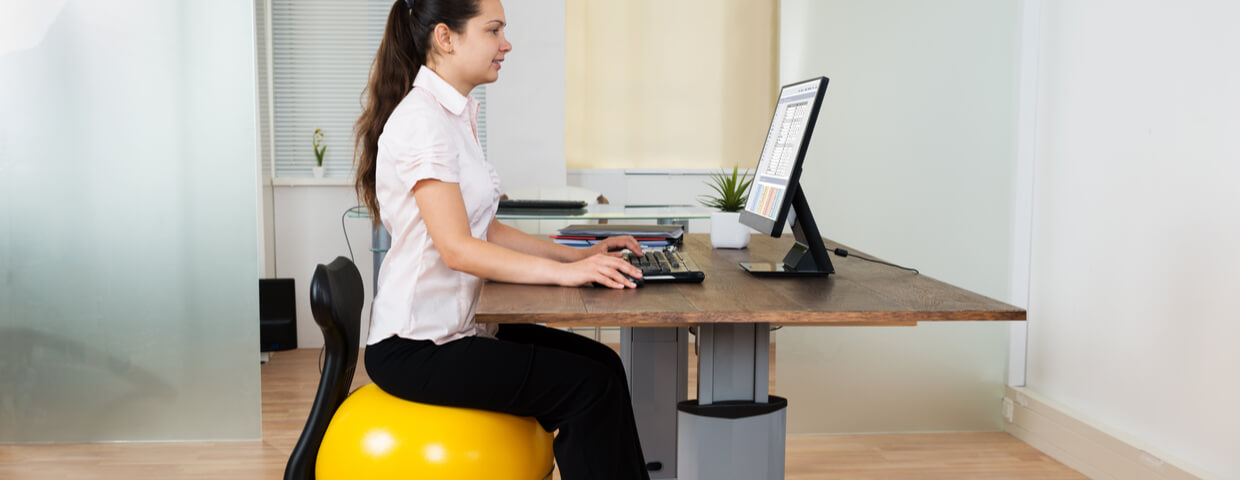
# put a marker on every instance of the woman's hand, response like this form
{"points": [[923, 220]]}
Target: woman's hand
{"points": [[612, 246], [602, 268]]}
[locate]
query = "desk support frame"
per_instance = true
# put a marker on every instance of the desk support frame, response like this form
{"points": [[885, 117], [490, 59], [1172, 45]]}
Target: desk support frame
{"points": [[733, 396], [657, 363], [734, 362]]}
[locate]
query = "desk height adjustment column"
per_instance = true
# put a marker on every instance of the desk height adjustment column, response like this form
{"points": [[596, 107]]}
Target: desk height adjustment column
{"points": [[657, 362], [735, 429]]}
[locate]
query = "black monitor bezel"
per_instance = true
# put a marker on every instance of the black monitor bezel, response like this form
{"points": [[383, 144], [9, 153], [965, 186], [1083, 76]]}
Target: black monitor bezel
{"points": [[775, 227]]}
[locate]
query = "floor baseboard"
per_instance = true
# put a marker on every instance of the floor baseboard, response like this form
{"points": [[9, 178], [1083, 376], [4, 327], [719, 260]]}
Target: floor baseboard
{"points": [[1083, 446]]}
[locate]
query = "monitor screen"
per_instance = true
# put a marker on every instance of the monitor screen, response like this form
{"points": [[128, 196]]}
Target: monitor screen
{"points": [[778, 168]]}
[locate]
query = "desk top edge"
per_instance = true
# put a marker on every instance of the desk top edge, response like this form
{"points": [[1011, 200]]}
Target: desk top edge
{"points": [[860, 294]]}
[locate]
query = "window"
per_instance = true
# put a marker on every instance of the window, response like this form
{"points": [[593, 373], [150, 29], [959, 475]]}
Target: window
{"points": [[658, 84], [314, 57]]}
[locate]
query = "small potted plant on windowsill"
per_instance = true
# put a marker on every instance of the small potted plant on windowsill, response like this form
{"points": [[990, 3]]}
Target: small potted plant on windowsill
{"points": [[319, 150], [726, 229]]}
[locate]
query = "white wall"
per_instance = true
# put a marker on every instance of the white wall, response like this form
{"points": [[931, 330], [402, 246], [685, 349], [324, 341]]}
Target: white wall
{"points": [[525, 108], [308, 232], [912, 160], [1133, 306], [266, 228]]}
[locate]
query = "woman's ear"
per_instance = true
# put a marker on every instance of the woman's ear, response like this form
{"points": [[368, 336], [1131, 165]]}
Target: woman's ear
{"points": [[443, 39]]}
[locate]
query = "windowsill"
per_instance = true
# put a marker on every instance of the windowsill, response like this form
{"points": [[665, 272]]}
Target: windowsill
{"points": [[311, 182]]}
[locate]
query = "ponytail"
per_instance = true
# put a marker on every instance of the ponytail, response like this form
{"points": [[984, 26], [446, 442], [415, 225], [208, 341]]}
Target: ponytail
{"points": [[402, 52]]}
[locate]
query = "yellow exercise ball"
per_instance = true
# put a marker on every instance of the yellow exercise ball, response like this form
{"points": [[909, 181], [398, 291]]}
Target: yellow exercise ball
{"points": [[377, 436]]}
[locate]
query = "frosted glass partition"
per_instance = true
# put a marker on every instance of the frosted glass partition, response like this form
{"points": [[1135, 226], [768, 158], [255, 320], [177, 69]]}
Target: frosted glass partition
{"points": [[128, 206], [912, 160]]}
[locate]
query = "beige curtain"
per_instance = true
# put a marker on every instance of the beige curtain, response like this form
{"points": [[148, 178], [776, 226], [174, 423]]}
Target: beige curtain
{"points": [[669, 83]]}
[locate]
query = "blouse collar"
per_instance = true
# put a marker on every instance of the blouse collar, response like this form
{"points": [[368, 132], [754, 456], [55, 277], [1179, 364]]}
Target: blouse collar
{"points": [[443, 92]]}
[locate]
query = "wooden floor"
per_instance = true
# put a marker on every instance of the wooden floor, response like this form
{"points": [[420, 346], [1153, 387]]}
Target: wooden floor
{"points": [[289, 381]]}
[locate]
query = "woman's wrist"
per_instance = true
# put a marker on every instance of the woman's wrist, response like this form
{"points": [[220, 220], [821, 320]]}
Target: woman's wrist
{"points": [[574, 254], [549, 272]]}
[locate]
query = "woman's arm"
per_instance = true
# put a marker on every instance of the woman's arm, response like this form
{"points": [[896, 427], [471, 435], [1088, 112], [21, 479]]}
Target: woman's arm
{"points": [[443, 210], [515, 239]]}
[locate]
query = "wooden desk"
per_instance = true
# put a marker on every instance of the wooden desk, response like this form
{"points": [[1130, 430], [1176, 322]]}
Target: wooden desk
{"points": [[733, 312], [860, 293]]}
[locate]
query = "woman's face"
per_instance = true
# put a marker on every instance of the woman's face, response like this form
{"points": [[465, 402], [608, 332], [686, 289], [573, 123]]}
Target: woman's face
{"points": [[482, 47]]}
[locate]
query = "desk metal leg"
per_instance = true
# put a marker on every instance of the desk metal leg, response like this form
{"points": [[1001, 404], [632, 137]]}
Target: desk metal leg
{"points": [[736, 429], [657, 363]]}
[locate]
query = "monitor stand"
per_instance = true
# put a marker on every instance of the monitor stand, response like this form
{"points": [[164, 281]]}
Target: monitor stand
{"points": [[808, 256]]}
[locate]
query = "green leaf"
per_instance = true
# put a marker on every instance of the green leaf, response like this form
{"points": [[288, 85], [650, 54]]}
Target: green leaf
{"points": [[729, 190]]}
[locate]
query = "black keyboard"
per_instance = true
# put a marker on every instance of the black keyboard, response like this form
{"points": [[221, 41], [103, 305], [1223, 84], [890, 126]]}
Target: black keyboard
{"points": [[666, 265], [541, 204]]}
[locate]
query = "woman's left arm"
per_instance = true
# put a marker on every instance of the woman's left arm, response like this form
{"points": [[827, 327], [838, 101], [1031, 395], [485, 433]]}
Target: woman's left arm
{"points": [[514, 239]]}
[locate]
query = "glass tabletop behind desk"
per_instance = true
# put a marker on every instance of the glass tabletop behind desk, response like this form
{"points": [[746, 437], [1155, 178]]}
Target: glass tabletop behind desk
{"points": [[662, 213]]}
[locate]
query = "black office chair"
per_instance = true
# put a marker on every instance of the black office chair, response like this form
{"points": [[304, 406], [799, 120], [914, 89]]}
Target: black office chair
{"points": [[336, 297]]}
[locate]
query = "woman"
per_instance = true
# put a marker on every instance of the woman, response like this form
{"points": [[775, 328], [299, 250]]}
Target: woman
{"points": [[422, 174]]}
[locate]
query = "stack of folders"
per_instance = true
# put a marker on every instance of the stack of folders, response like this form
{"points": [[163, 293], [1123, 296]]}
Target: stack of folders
{"points": [[649, 236]]}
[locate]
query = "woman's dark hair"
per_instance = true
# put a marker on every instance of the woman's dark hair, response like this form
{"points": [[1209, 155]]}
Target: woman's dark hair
{"points": [[402, 51]]}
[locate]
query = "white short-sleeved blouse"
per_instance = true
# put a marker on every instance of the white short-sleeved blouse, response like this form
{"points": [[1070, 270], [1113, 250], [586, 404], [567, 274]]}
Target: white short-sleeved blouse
{"points": [[431, 134]]}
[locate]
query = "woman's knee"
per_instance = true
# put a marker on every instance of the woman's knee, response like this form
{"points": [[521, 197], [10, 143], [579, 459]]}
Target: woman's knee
{"points": [[613, 387], [611, 359]]}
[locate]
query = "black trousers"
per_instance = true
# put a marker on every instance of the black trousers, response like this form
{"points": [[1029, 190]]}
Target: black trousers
{"points": [[566, 381]]}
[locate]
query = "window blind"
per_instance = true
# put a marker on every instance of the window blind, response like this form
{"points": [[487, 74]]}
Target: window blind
{"points": [[658, 84], [320, 55]]}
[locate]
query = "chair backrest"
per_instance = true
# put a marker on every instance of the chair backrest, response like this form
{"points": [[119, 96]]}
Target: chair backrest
{"points": [[336, 297]]}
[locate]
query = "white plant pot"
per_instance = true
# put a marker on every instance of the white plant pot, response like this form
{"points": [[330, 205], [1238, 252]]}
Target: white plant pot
{"points": [[318, 172], [727, 231]]}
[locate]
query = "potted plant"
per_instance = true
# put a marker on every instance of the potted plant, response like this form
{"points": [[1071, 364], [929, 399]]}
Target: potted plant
{"points": [[726, 229], [319, 150]]}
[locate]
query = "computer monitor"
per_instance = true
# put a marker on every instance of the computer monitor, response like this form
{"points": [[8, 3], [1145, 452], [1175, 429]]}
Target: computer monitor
{"points": [[776, 196]]}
